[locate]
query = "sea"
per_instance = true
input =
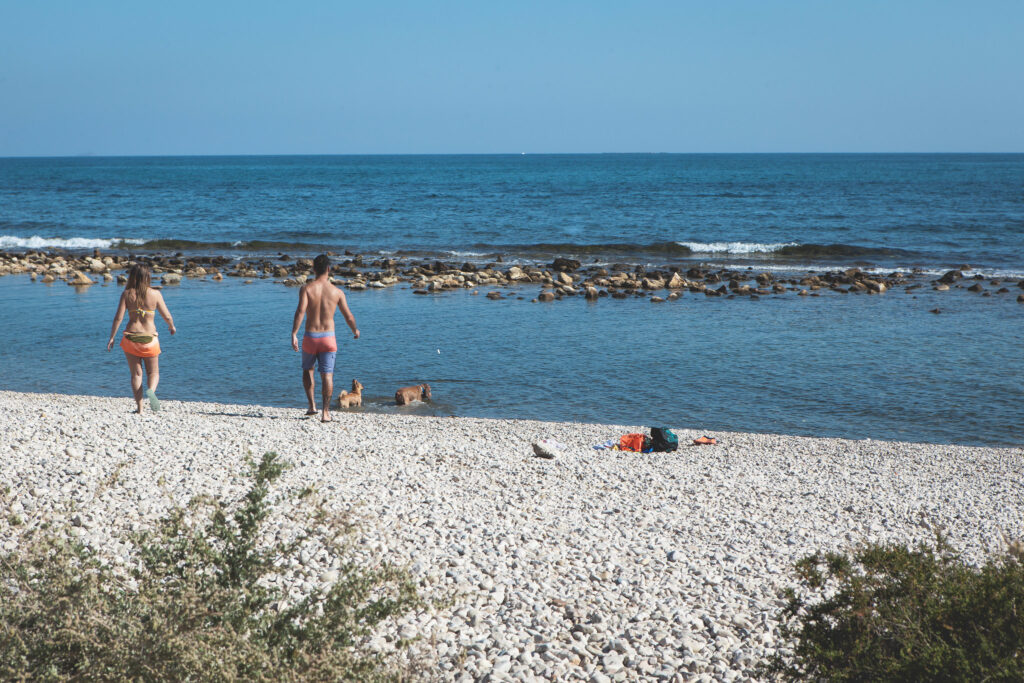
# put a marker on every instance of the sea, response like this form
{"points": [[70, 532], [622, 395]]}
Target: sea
{"points": [[917, 365]]}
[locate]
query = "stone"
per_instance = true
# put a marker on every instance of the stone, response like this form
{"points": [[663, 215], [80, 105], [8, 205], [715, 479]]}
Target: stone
{"points": [[79, 278], [976, 287], [675, 282], [875, 286], [950, 276], [563, 278], [591, 293], [47, 278], [651, 283], [657, 300], [565, 264], [171, 279], [941, 288], [494, 295], [546, 296], [1020, 298]]}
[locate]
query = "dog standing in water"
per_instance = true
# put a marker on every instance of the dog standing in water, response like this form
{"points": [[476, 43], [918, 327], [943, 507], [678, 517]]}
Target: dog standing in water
{"points": [[347, 399], [318, 301], [406, 395]]}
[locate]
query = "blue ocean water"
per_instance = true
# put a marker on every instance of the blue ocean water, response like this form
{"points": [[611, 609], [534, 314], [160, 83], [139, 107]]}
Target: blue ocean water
{"points": [[880, 367], [890, 210]]}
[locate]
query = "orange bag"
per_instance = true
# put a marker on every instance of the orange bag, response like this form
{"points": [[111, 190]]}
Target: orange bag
{"points": [[632, 442]]}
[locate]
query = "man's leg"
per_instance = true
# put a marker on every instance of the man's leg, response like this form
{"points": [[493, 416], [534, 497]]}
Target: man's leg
{"points": [[326, 362], [307, 380], [326, 392], [307, 384], [135, 368]]}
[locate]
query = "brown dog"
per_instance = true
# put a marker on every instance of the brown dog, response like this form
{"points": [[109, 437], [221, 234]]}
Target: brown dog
{"points": [[347, 399], [406, 395]]}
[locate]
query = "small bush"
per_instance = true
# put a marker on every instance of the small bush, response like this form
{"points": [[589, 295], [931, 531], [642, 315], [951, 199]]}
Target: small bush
{"points": [[895, 614], [197, 607]]}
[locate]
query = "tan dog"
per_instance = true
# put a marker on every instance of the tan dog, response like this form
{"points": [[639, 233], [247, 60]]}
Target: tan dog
{"points": [[347, 399], [406, 395]]}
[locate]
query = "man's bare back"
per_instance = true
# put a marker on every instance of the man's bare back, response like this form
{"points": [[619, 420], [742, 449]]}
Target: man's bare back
{"points": [[318, 300]]}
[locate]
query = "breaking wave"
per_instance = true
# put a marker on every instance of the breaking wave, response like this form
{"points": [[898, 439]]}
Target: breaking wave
{"points": [[37, 242]]}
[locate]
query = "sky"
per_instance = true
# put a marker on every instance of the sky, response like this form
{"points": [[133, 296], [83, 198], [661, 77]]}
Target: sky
{"points": [[344, 77]]}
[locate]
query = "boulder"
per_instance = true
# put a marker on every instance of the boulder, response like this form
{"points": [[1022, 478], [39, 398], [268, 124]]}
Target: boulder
{"points": [[657, 300], [1020, 298], [96, 266], [494, 295], [565, 264], [79, 278], [675, 282], [651, 283], [49, 278], [951, 276], [976, 287], [546, 296], [171, 279], [591, 293], [941, 288], [516, 273], [217, 276], [875, 286], [564, 279], [765, 279]]}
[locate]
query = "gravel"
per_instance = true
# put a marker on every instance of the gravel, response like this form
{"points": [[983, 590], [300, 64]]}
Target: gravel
{"points": [[591, 566]]}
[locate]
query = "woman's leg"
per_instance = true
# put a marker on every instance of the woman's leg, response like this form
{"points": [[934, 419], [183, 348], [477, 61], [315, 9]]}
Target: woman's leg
{"points": [[152, 371], [135, 367]]}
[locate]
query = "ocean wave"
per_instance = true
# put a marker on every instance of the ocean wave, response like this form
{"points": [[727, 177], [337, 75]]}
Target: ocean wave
{"points": [[736, 247], [569, 249], [37, 242], [237, 245]]}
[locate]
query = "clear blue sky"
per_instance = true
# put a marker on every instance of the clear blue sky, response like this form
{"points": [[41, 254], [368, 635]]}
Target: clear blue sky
{"points": [[224, 77]]}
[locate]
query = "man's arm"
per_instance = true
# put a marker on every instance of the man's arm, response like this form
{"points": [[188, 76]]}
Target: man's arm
{"points": [[300, 313], [347, 314]]}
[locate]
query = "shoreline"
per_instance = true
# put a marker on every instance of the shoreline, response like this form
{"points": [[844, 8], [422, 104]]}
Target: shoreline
{"points": [[596, 563]]}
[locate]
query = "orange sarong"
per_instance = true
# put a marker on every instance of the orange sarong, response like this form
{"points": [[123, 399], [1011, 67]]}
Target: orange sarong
{"points": [[147, 350]]}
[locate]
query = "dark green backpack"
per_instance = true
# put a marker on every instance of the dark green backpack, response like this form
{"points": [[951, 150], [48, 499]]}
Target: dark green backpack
{"points": [[663, 440]]}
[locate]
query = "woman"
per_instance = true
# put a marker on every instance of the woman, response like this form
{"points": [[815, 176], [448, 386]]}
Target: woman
{"points": [[139, 342]]}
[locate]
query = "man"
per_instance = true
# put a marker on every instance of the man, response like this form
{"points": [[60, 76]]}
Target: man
{"points": [[318, 300]]}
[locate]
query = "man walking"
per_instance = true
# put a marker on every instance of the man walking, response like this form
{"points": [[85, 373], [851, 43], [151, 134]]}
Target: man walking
{"points": [[318, 301]]}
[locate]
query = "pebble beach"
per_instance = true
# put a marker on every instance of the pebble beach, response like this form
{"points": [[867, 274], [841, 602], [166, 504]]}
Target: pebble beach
{"points": [[594, 565]]}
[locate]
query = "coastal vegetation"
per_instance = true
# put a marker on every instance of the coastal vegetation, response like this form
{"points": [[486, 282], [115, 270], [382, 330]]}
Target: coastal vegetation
{"points": [[205, 601], [892, 613]]}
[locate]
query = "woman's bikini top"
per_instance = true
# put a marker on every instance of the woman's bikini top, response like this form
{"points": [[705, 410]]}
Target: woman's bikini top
{"points": [[144, 312]]}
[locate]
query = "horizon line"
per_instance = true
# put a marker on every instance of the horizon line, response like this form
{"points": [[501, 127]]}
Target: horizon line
{"points": [[91, 155]]}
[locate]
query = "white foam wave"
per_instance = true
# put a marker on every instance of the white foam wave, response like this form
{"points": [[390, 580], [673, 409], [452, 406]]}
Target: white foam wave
{"points": [[468, 254], [37, 242], [735, 247]]}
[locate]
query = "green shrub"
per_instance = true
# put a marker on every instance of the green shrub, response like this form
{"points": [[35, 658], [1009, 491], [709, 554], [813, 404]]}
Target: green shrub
{"points": [[197, 607], [889, 613]]}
